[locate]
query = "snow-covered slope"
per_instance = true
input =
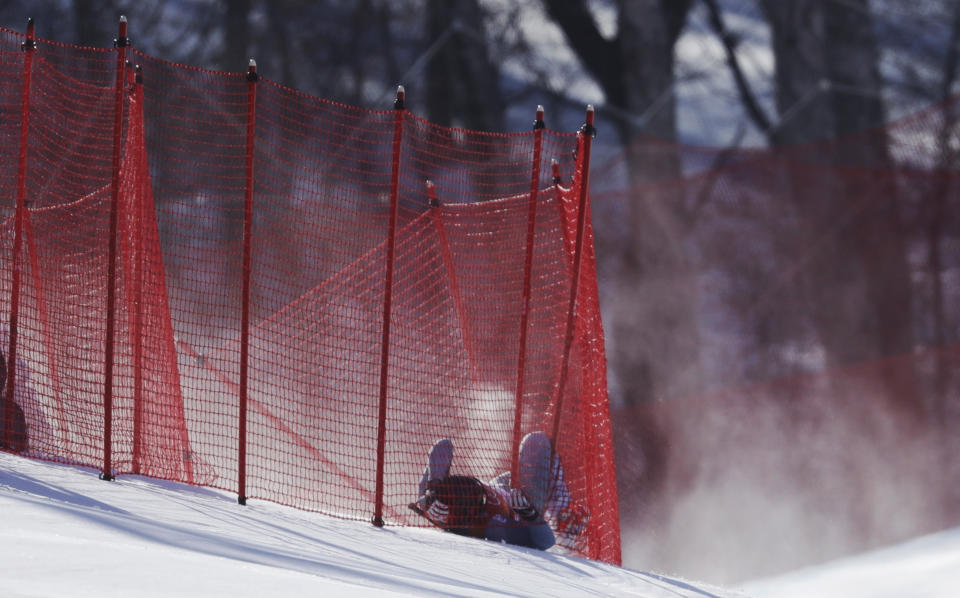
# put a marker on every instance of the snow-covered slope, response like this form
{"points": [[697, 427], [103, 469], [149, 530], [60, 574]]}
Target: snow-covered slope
{"points": [[63, 532], [927, 567]]}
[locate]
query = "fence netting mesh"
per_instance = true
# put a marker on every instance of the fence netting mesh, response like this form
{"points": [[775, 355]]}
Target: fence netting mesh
{"points": [[173, 217]]}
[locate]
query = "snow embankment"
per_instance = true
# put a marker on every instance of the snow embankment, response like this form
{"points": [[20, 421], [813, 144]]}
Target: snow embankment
{"points": [[66, 533], [926, 567]]}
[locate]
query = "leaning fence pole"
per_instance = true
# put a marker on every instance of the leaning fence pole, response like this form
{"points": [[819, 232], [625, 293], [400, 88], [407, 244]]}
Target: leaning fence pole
{"points": [[387, 299], [28, 47], [588, 131], [252, 78], [436, 215], [122, 42], [538, 126]]}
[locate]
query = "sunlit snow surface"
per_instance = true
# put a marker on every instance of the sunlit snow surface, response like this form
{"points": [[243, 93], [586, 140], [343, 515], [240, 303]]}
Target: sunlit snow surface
{"points": [[63, 532], [927, 567]]}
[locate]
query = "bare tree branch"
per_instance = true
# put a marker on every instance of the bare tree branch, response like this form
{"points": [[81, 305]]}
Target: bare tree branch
{"points": [[599, 55], [747, 96], [952, 58], [675, 16]]}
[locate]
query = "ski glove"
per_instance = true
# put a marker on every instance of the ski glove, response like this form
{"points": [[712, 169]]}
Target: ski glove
{"points": [[438, 512], [521, 505], [569, 524]]}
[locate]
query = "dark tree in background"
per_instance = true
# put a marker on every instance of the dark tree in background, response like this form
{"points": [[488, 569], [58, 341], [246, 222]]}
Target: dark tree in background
{"points": [[236, 35], [657, 330], [463, 84], [934, 219], [90, 25], [856, 278], [653, 324]]}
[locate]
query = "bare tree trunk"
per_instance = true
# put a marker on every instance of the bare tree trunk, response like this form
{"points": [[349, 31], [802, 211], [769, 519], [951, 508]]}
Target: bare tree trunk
{"points": [[463, 83], [648, 34], [653, 328], [279, 18], [944, 412], [236, 36], [880, 242], [937, 214], [95, 22], [856, 274], [659, 329]]}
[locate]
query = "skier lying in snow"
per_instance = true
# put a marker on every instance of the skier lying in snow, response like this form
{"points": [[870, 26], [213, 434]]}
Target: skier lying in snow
{"points": [[536, 513]]}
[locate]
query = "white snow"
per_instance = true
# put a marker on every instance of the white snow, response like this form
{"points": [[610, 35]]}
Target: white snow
{"points": [[926, 567], [66, 533]]}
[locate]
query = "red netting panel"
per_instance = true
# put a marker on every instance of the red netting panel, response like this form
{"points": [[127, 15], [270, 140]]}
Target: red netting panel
{"points": [[62, 338], [587, 433], [475, 396], [195, 136], [320, 231], [11, 68], [61, 332], [320, 223], [150, 427], [482, 241]]}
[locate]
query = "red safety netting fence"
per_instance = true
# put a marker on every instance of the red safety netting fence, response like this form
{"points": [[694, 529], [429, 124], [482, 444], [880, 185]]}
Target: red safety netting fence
{"points": [[211, 278]]}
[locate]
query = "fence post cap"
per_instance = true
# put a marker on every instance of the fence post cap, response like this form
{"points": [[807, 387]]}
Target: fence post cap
{"points": [[588, 128], [122, 41], [432, 194], [29, 43]]}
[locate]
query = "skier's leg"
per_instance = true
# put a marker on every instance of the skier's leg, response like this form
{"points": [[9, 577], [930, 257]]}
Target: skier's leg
{"points": [[568, 519], [541, 536], [534, 471], [541, 479], [559, 497], [532, 535], [438, 463]]}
